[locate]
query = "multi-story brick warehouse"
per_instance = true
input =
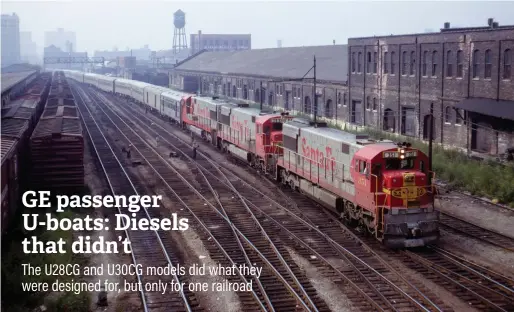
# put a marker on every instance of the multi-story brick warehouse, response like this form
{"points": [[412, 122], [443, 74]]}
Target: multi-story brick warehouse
{"points": [[464, 74]]}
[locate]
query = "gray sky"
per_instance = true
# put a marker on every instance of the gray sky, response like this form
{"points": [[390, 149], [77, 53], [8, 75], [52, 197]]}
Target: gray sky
{"points": [[105, 24]]}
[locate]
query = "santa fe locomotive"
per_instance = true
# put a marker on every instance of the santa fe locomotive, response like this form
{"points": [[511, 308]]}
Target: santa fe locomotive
{"points": [[379, 185]]}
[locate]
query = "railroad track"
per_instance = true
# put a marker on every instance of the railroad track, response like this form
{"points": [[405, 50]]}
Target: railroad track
{"points": [[275, 292], [370, 283], [462, 227], [149, 248]]}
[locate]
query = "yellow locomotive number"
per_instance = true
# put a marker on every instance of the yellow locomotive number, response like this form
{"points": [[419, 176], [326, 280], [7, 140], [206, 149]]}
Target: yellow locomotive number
{"points": [[362, 181]]}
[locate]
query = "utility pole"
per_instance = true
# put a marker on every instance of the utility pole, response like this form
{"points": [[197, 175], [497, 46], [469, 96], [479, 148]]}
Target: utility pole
{"points": [[430, 139], [315, 94], [260, 97]]}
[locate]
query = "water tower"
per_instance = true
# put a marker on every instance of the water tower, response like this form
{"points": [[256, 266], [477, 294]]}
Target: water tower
{"points": [[179, 36]]}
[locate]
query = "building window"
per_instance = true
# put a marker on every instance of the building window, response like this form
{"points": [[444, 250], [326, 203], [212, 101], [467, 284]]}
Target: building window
{"points": [[475, 64], [353, 62], [412, 62], [459, 114], [386, 63], [488, 64], [374, 104], [368, 65], [339, 98], [449, 60], [344, 99], [393, 63], [434, 63], [359, 63], [368, 103], [460, 64], [375, 62], [404, 63], [448, 114], [507, 64], [425, 57]]}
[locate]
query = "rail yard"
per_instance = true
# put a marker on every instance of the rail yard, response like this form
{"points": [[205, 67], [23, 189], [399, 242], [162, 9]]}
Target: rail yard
{"points": [[311, 258], [118, 142]]}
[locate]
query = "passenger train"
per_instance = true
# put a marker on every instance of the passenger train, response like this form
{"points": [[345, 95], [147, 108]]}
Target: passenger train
{"points": [[382, 186]]}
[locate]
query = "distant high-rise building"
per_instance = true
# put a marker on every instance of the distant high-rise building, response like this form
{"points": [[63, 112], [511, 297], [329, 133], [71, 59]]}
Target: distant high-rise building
{"points": [[279, 43], [28, 48], [10, 39], [64, 40], [220, 42]]}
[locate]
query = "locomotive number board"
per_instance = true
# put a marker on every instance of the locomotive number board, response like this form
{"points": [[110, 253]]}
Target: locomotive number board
{"points": [[391, 155], [407, 154]]}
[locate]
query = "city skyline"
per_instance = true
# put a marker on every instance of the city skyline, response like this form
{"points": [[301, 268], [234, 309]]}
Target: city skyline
{"points": [[134, 25]]}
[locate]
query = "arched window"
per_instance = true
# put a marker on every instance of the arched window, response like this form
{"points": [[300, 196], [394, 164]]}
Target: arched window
{"points": [[449, 64], [488, 64], [353, 62], [368, 63], [507, 59], [434, 63], [460, 64], [448, 114], [476, 63], [412, 63], [404, 63], [374, 104], [424, 65], [386, 63], [368, 102], [375, 62], [359, 63], [393, 63]]}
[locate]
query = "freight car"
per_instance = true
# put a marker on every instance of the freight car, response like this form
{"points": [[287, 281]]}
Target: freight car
{"points": [[57, 144], [9, 156], [13, 144]]}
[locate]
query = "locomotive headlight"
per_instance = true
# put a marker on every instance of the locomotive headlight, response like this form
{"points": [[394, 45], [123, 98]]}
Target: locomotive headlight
{"points": [[402, 151], [402, 156]]}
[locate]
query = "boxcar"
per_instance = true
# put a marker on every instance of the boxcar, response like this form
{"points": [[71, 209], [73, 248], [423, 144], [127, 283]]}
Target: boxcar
{"points": [[10, 183]]}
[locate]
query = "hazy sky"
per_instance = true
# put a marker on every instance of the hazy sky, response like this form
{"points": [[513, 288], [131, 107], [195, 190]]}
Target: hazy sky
{"points": [[105, 24]]}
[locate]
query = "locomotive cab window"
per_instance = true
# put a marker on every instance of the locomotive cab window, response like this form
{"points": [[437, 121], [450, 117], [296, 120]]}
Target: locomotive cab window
{"points": [[399, 164], [277, 126]]}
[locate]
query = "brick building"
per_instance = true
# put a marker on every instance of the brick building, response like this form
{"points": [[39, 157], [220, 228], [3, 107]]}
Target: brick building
{"points": [[239, 75], [220, 42], [464, 74]]}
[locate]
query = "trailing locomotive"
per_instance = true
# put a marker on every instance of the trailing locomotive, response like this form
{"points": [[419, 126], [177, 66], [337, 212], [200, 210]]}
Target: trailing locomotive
{"points": [[379, 185]]}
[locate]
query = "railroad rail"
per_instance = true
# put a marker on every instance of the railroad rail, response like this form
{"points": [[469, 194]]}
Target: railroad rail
{"points": [[220, 227], [147, 248], [462, 227], [369, 282]]}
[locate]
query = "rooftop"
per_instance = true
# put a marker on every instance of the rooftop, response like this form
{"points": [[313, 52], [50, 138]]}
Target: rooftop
{"points": [[11, 79], [286, 63]]}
